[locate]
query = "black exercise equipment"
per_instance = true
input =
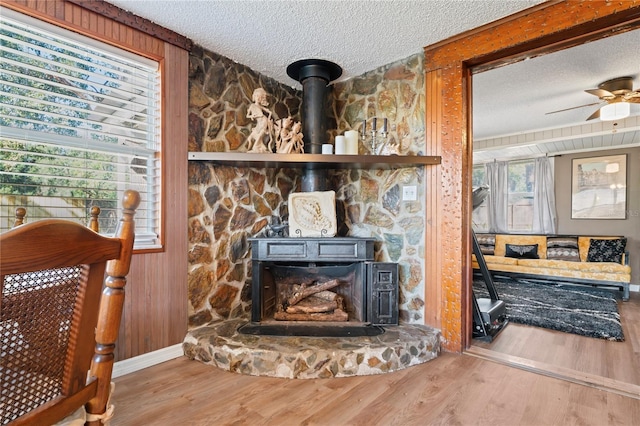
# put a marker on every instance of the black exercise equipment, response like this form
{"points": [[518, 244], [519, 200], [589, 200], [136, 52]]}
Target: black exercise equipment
{"points": [[489, 315]]}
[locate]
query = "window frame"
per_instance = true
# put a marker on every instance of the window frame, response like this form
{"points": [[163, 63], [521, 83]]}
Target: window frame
{"points": [[121, 51], [523, 195]]}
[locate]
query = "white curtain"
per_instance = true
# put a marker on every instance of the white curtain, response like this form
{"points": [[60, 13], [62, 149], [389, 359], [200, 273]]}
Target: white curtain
{"points": [[544, 199], [496, 173]]}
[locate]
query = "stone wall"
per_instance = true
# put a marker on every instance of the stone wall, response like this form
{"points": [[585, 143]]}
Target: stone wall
{"points": [[228, 205], [372, 199]]}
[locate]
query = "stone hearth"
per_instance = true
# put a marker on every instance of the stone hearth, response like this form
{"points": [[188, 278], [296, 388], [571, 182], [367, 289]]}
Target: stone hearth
{"points": [[300, 357]]}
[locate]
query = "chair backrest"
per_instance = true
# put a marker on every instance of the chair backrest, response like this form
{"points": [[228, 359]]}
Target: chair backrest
{"points": [[21, 212], [58, 322]]}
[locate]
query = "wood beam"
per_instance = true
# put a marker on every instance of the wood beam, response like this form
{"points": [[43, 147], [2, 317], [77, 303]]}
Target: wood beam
{"points": [[449, 64], [127, 18]]}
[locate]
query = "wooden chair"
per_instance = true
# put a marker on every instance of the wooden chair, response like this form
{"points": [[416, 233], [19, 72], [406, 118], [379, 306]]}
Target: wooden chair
{"points": [[58, 326], [21, 212]]}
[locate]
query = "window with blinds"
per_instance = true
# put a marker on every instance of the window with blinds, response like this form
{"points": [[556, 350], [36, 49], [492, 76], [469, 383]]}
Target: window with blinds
{"points": [[79, 124]]}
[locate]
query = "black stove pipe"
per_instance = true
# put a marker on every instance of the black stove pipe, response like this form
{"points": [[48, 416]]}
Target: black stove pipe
{"points": [[314, 75]]}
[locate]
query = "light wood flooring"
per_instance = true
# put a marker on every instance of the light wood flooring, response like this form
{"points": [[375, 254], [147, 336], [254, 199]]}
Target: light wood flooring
{"points": [[475, 388], [615, 361]]}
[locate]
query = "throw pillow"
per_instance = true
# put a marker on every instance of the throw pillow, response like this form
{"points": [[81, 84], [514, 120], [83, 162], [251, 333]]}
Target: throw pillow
{"points": [[563, 253], [521, 239], [486, 239], [606, 250], [584, 242], [522, 251], [571, 242], [485, 249]]}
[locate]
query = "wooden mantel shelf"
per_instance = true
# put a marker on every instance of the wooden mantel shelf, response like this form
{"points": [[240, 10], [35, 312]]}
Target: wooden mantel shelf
{"points": [[322, 161]]}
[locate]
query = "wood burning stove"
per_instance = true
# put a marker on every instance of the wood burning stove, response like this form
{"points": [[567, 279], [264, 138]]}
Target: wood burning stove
{"points": [[329, 282], [337, 279]]}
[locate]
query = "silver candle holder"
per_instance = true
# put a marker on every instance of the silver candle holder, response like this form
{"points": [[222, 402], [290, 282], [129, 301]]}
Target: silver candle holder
{"points": [[375, 139]]}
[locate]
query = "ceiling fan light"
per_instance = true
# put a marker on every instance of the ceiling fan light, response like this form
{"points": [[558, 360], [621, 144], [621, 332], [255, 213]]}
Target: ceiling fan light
{"points": [[615, 111]]}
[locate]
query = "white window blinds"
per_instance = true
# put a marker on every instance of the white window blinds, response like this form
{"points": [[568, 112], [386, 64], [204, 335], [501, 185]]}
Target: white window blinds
{"points": [[79, 124]]}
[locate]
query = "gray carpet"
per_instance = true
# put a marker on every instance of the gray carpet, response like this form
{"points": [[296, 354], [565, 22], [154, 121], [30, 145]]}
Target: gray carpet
{"points": [[578, 310]]}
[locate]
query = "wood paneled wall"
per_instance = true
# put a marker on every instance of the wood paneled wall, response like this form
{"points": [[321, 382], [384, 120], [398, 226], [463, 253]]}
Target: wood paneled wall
{"points": [[449, 64], [155, 314]]}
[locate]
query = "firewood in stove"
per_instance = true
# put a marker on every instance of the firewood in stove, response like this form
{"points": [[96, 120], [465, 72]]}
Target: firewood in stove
{"points": [[330, 295], [326, 295], [308, 291], [336, 315], [312, 304]]}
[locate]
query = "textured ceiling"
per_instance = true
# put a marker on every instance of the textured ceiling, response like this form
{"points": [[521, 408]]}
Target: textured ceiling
{"points": [[552, 82], [363, 35], [358, 35]]}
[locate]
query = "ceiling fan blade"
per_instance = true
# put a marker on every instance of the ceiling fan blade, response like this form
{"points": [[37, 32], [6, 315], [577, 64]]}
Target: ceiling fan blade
{"points": [[595, 115], [632, 97], [601, 93], [575, 107]]}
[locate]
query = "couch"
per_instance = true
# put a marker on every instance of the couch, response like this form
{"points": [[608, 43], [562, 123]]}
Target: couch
{"points": [[597, 261]]}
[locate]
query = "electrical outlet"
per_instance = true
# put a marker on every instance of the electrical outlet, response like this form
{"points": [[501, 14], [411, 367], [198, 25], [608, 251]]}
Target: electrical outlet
{"points": [[409, 193]]}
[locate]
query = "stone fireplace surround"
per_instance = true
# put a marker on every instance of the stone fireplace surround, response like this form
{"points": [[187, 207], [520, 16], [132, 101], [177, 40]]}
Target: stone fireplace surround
{"points": [[228, 204], [299, 357], [332, 349]]}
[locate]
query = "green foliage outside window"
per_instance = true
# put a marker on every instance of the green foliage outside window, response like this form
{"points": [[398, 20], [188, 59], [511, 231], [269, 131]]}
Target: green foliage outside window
{"points": [[78, 126]]}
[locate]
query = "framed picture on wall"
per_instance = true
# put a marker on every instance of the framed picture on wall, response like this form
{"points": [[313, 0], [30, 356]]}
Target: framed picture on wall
{"points": [[599, 187]]}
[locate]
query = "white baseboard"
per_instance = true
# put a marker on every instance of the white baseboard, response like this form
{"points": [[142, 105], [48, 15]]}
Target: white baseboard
{"points": [[139, 362], [634, 287]]}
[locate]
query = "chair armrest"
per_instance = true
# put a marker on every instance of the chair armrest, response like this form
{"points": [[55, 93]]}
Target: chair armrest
{"points": [[625, 258]]}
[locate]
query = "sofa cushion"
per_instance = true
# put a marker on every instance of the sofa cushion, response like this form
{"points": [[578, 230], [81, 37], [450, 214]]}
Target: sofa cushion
{"points": [[486, 239], [585, 242], [529, 251], [487, 243], [500, 260], [564, 242], [585, 267], [609, 271], [503, 239], [606, 250], [485, 249], [564, 253]]}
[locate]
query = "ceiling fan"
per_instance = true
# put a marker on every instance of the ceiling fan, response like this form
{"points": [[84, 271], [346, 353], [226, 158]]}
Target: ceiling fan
{"points": [[615, 95]]}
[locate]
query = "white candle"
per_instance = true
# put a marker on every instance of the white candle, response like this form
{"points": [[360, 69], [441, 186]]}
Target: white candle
{"points": [[341, 145], [352, 142], [327, 148]]}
